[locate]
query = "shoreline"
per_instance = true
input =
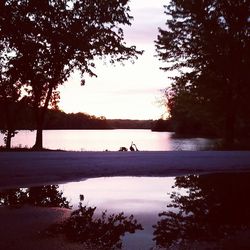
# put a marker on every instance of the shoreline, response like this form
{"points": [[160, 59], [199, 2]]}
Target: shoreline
{"points": [[23, 169]]}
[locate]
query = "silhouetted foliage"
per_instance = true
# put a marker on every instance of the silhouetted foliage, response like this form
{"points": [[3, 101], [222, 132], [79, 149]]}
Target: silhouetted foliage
{"points": [[43, 196], [13, 197], [51, 39], [208, 43], [189, 115], [102, 232], [14, 115], [213, 207], [11, 98], [162, 125]]}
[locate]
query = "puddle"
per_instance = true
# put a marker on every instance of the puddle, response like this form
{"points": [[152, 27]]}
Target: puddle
{"points": [[188, 212], [143, 197]]}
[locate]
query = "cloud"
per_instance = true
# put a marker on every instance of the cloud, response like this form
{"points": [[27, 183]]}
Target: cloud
{"points": [[148, 17]]}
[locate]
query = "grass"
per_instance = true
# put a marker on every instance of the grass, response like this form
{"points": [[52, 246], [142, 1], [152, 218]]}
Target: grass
{"points": [[26, 149]]}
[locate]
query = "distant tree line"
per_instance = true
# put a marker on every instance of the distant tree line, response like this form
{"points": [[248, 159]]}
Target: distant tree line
{"points": [[60, 120], [130, 124], [57, 119]]}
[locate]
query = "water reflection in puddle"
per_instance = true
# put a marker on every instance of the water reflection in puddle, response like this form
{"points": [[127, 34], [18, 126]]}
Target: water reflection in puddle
{"points": [[129, 194], [194, 212], [144, 197]]}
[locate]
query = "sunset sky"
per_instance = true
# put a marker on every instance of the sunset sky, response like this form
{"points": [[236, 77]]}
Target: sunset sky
{"points": [[131, 91]]}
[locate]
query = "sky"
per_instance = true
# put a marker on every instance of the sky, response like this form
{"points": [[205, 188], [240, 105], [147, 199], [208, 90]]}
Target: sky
{"points": [[132, 91]]}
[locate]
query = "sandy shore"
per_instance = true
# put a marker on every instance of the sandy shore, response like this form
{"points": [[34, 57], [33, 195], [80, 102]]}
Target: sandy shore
{"points": [[22, 169]]}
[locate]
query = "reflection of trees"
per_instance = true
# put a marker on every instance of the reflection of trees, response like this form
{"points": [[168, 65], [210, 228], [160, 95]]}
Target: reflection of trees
{"points": [[214, 207], [102, 232], [83, 225], [45, 196]]}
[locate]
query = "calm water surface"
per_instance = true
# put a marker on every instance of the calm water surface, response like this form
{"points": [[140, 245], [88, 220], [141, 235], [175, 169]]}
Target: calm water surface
{"points": [[100, 140], [143, 197], [185, 212]]}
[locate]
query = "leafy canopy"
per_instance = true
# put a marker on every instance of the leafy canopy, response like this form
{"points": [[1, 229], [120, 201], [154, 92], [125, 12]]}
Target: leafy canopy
{"points": [[208, 43]]}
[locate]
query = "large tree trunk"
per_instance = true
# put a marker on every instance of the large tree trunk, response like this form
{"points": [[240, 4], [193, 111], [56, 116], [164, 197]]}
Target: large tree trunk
{"points": [[40, 115], [8, 139], [39, 132]]}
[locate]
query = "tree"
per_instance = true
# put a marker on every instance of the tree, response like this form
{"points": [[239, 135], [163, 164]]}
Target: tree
{"points": [[98, 232], [208, 42], [205, 208], [56, 37], [192, 112], [42, 196], [9, 95], [11, 100]]}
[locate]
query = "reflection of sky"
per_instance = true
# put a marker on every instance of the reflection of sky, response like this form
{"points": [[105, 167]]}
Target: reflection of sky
{"points": [[144, 197], [129, 91], [127, 194]]}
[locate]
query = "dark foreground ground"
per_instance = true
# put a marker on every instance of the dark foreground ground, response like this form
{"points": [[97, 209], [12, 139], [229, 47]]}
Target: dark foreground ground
{"points": [[19, 169]]}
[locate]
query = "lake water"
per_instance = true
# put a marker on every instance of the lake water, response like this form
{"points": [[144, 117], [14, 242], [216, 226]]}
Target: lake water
{"points": [[100, 140], [185, 212]]}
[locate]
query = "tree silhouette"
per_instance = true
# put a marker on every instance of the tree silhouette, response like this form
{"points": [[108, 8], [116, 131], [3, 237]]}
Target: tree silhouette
{"points": [[52, 38], [208, 42], [214, 207], [11, 99], [83, 226], [103, 232], [9, 96], [43, 196]]}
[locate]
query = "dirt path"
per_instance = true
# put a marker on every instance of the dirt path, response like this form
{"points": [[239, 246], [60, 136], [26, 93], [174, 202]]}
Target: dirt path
{"points": [[34, 168]]}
